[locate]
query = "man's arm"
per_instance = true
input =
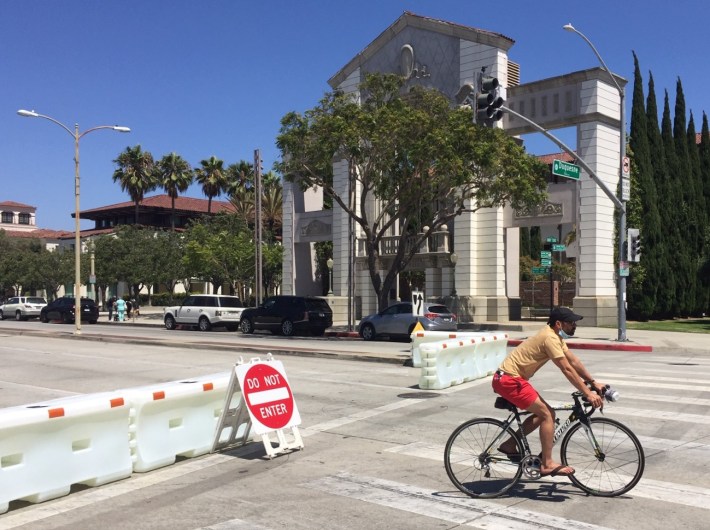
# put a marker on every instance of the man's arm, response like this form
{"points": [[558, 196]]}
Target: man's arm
{"points": [[582, 371], [575, 378]]}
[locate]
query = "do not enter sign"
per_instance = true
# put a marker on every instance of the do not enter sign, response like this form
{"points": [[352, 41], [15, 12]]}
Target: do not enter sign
{"points": [[268, 396]]}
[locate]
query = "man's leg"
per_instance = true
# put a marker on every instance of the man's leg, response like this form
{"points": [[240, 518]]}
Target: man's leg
{"points": [[546, 421]]}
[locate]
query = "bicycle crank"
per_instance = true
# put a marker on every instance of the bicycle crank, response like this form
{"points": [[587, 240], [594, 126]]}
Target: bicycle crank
{"points": [[531, 466]]}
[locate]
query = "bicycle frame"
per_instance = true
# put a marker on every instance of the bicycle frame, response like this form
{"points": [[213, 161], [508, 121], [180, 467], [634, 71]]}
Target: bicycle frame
{"points": [[578, 414]]}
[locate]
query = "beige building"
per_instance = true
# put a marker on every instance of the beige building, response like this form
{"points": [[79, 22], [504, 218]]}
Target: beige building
{"points": [[448, 56]]}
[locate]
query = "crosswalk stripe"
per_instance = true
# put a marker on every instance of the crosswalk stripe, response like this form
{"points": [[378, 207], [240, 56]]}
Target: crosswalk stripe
{"points": [[234, 524], [645, 377], [430, 503], [646, 488]]}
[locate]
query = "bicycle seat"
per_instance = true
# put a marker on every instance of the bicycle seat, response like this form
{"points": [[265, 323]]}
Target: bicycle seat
{"points": [[502, 403]]}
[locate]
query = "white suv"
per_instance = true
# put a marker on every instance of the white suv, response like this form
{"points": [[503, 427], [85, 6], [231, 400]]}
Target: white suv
{"points": [[205, 311], [22, 307]]}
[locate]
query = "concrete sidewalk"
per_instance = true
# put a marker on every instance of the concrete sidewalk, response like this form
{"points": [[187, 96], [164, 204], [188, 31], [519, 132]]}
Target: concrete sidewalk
{"points": [[586, 338]]}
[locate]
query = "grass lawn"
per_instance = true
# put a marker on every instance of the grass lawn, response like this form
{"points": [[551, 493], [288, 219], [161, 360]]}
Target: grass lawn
{"points": [[684, 325]]}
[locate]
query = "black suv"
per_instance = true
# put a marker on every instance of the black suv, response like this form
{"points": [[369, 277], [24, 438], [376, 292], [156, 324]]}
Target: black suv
{"points": [[63, 309], [287, 315]]}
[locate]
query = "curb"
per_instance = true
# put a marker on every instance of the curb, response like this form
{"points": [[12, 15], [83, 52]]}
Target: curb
{"points": [[597, 346]]}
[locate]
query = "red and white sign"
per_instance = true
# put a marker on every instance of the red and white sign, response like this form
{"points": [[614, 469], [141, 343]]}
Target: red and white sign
{"points": [[268, 396]]}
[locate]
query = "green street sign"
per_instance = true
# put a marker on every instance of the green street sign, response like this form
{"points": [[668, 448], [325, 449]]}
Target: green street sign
{"points": [[540, 270], [546, 262], [551, 239], [559, 248], [546, 254], [565, 169]]}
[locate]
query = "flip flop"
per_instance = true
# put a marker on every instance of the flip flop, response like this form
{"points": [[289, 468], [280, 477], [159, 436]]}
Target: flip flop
{"points": [[513, 457], [559, 471]]}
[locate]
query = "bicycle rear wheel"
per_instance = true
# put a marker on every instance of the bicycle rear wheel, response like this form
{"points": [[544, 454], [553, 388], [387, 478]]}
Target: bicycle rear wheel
{"points": [[473, 462], [615, 469]]}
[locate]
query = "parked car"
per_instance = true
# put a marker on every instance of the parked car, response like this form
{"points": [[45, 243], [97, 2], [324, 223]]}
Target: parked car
{"points": [[287, 315], [206, 311], [398, 321], [22, 307], [64, 309]]}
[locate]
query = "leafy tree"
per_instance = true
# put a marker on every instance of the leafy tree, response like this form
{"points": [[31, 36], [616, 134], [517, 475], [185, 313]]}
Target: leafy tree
{"points": [[135, 255], [168, 265], [410, 152], [212, 177], [135, 173], [174, 176], [220, 249]]}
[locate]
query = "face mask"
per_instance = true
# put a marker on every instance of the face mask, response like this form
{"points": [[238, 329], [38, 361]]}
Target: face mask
{"points": [[564, 335]]}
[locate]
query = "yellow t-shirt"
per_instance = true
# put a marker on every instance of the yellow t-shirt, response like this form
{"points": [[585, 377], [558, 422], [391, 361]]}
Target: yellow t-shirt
{"points": [[534, 352]]}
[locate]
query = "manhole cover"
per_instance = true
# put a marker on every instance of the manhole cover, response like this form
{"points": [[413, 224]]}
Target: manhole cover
{"points": [[418, 395]]}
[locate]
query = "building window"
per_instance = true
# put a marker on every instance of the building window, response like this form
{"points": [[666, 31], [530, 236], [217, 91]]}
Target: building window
{"points": [[24, 219], [7, 217]]}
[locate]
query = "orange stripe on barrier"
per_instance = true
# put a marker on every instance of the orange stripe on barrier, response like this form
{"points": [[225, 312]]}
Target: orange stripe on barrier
{"points": [[56, 413], [452, 335], [460, 343], [443, 345], [420, 334], [117, 402], [207, 386], [158, 395]]}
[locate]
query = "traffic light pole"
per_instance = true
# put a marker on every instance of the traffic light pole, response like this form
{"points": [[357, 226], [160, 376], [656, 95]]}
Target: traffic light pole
{"points": [[619, 204]]}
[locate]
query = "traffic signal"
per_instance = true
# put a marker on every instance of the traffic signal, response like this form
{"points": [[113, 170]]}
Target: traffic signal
{"points": [[633, 242], [488, 102]]}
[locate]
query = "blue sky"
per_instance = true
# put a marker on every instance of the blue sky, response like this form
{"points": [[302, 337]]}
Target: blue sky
{"points": [[214, 77]]}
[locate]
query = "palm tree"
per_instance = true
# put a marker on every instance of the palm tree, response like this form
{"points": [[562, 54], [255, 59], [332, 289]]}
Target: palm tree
{"points": [[239, 175], [243, 201], [175, 176], [212, 177], [135, 173], [272, 205]]}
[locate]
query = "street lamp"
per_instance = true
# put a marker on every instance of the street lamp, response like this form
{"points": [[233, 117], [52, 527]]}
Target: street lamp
{"points": [[77, 229], [329, 263], [621, 284]]}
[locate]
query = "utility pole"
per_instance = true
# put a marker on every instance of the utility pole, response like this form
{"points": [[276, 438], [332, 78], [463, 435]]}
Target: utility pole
{"points": [[258, 259]]}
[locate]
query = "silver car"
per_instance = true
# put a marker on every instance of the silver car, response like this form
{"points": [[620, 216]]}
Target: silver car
{"points": [[397, 321], [22, 307]]}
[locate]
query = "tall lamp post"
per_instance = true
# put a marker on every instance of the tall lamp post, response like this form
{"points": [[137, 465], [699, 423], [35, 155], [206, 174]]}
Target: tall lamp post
{"points": [[621, 284], [77, 229]]}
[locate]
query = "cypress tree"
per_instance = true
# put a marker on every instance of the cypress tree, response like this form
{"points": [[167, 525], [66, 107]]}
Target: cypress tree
{"points": [[671, 213], [704, 156], [524, 241], [642, 210], [698, 217], [535, 242], [682, 175]]}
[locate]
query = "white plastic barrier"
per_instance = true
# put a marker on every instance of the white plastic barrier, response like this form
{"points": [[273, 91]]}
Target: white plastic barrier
{"points": [[173, 419], [46, 447], [456, 361], [425, 337]]}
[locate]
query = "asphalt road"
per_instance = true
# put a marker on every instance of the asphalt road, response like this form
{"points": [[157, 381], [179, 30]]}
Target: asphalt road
{"points": [[373, 444]]}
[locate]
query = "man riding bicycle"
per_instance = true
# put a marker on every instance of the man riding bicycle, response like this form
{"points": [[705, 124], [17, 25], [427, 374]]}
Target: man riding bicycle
{"points": [[511, 381]]}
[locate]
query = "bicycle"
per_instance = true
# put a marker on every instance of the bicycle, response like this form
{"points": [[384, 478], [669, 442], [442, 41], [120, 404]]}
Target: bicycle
{"points": [[607, 457]]}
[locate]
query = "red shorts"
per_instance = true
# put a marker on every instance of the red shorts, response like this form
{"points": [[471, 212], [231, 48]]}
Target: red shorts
{"points": [[517, 390]]}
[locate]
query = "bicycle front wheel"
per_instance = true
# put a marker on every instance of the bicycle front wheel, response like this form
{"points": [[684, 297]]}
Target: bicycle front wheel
{"points": [[473, 462], [608, 460]]}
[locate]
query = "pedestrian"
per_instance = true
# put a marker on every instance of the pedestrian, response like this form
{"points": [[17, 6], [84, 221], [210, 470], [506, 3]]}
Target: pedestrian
{"points": [[129, 307], [121, 309], [511, 381], [110, 303]]}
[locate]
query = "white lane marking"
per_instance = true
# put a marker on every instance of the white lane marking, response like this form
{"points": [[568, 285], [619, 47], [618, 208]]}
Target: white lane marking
{"points": [[136, 482], [234, 524], [362, 415], [646, 488], [645, 377], [430, 503]]}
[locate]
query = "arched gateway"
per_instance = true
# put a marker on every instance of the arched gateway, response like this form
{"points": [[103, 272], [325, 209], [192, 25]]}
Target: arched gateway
{"points": [[447, 56]]}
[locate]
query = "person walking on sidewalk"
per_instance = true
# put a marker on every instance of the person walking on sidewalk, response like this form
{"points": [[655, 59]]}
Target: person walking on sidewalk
{"points": [[511, 381]]}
